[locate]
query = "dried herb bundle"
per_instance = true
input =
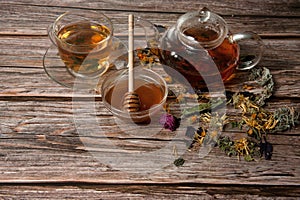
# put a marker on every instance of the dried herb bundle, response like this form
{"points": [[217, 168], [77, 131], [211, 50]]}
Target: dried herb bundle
{"points": [[260, 121], [257, 120], [286, 119], [243, 147], [263, 82]]}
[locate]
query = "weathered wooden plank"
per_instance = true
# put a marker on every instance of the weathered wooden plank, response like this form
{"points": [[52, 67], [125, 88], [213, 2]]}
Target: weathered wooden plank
{"points": [[33, 82], [44, 154], [32, 161], [28, 51], [239, 7], [39, 142], [21, 60], [34, 20], [189, 192], [56, 117]]}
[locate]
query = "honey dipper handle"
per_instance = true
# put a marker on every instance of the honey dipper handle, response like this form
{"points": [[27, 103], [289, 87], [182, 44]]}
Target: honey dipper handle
{"points": [[130, 54]]}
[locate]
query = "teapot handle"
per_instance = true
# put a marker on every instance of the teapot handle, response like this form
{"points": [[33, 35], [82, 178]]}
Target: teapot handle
{"points": [[256, 47]]}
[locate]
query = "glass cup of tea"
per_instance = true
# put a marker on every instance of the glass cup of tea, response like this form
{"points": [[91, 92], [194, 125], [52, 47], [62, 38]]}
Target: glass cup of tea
{"points": [[150, 87], [84, 42]]}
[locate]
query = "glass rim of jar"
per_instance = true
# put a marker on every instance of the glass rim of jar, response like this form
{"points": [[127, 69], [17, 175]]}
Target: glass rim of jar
{"points": [[208, 18], [53, 28]]}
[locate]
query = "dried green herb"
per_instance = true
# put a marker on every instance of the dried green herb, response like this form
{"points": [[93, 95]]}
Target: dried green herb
{"points": [[227, 145], [286, 119], [203, 107], [261, 121], [263, 78], [257, 120], [179, 162], [244, 147]]}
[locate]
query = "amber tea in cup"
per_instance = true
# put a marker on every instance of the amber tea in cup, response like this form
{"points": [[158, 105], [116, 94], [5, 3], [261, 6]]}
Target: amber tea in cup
{"points": [[150, 87], [83, 40]]}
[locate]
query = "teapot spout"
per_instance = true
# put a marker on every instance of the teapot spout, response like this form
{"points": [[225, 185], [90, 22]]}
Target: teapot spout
{"points": [[151, 32]]}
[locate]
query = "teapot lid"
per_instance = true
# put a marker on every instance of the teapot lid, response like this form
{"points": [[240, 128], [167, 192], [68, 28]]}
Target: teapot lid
{"points": [[202, 29]]}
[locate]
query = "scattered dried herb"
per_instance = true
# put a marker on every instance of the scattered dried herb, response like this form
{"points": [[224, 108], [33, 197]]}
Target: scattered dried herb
{"points": [[244, 147], [203, 107], [263, 78], [198, 138], [258, 121], [261, 121], [179, 162], [286, 118], [146, 57], [169, 121]]}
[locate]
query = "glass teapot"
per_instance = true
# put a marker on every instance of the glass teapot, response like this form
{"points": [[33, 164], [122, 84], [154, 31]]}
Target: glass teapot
{"points": [[201, 48]]}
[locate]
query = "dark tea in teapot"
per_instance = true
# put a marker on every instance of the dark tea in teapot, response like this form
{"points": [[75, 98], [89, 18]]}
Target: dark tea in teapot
{"points": [[224, 57], [201, 48]]}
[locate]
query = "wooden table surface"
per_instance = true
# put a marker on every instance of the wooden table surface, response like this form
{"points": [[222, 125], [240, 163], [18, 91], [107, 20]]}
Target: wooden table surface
{"points": [[43, 156]]}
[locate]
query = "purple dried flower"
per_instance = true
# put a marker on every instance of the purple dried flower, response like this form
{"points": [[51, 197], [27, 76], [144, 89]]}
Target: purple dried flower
{"points": [[169, 121]]}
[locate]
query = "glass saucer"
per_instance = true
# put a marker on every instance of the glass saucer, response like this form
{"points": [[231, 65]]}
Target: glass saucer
{"points": [[58, 72]]}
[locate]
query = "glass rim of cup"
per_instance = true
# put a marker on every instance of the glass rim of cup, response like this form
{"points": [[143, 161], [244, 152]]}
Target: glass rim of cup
{"points": [[52, 28]]}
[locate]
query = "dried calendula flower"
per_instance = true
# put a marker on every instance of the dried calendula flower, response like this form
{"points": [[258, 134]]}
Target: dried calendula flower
{"points": [[241, 148], [240, 101], [200, 136], [168, 79], [261, 121], [193, 119], [146, 57]]}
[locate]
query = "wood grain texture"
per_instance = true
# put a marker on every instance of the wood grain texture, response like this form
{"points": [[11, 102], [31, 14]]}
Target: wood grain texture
{"points": [[228, 7], [187, 191], [46, 153], [40, 143], [22, 60], [34, 20]]}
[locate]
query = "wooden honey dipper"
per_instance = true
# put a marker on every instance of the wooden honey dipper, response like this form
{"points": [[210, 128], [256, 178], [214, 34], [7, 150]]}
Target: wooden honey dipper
{"points": [[131, 101]]}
